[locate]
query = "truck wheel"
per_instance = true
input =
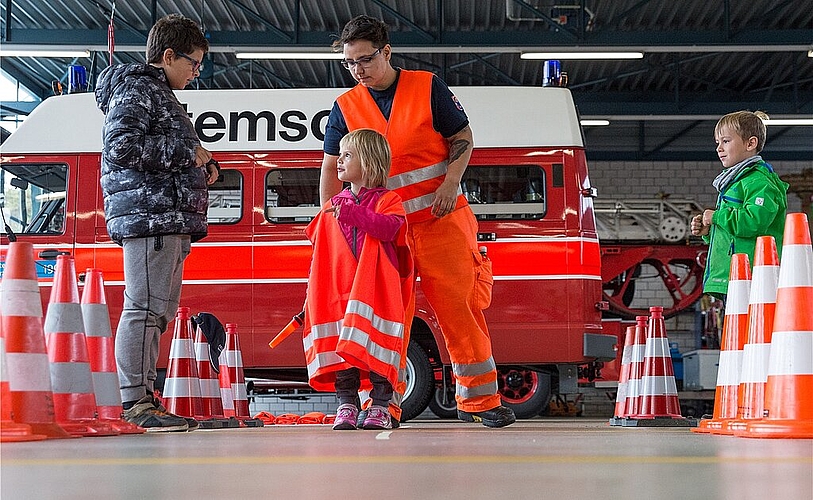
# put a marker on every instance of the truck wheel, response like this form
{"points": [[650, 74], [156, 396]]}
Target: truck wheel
{"points": [[420, 383], [527, 392], [441, 409]]}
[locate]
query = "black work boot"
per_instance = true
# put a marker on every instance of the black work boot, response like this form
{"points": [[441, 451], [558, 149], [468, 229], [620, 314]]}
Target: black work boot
{"points": [[500, 416]]}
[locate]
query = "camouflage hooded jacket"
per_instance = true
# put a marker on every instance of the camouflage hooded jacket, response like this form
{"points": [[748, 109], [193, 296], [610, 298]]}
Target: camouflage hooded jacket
{"points": [[150, 183]]}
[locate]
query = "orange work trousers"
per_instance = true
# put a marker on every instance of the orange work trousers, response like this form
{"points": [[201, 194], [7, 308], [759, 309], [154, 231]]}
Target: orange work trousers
{"points": [[446, 259]]}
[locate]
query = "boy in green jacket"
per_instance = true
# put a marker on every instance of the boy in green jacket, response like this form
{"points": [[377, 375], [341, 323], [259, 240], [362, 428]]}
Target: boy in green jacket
{"points": [[752, 199]]}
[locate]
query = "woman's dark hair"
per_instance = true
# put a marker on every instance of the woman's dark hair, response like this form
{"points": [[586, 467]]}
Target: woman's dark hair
{"points": [[363, 28], [175, 32]]}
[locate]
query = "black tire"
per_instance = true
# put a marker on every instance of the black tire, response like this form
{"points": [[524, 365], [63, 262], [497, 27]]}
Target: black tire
{"points": [[441, 409], [525, 391], [420, 383]]}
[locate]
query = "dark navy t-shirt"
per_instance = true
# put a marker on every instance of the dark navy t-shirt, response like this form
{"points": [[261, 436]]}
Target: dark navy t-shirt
{"points": [[448, 117]]}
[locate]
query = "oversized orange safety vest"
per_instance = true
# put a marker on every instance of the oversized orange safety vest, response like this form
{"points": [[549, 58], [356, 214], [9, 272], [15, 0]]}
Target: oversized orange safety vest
{"points": [[420, 155], [354, 315]]}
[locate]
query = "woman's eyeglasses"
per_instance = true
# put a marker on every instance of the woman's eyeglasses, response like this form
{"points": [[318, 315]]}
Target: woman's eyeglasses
{"points": [[196, 65], [363, 61]]}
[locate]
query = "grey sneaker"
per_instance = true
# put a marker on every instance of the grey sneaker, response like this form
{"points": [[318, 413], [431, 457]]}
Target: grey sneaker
{"points": [[191, 422], [145, 414]]}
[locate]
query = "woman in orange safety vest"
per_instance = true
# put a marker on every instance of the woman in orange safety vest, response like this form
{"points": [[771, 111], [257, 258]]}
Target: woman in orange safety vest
{"points": [[431, 142], [359, 285]]}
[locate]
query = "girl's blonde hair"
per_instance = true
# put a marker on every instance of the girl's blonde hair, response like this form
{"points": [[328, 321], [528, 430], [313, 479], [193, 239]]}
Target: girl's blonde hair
{"points": [[746, 124], [374, 155]]}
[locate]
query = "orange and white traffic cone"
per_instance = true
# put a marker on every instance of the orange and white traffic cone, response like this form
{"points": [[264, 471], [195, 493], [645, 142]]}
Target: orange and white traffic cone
{"points": [[636, 371], [181, 393], [659, 404], [10, 431], [234, 363], [789, 388], [72, 382], [102, 354], [211, 416], [623, 377], [29, 374], [757, 350], [224, 380], [735, 334]]}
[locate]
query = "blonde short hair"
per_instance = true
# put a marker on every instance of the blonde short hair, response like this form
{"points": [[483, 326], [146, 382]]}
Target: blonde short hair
{"points": [[374, 154], [746, 124]]}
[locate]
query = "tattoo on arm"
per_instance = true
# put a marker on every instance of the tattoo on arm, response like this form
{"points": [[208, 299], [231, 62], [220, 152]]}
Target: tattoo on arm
{"points": [[457, 148]]}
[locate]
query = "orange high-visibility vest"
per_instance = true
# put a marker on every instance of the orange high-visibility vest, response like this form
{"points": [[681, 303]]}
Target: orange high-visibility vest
{"points": [[354, 314], [419, 160]]}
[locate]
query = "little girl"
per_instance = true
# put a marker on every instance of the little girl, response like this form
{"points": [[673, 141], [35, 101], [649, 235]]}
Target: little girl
{"points": [[359, 285]]}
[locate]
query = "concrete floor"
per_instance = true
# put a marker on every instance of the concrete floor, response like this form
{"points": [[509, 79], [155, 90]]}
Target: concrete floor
{"points": [[424, 459]]}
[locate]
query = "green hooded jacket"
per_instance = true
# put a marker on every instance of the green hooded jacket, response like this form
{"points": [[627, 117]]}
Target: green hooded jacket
{"points": [[754, 204]]}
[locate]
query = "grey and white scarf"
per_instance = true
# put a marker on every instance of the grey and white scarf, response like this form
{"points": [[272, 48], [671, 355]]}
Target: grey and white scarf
{"points": [[727, 176]]}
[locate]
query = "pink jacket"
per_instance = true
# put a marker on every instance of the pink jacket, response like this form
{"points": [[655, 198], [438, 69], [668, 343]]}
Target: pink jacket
{"points": [[358, 217]]}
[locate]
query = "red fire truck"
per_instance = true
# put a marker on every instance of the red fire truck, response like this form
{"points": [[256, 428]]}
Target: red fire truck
{"points": [[527, 183]]}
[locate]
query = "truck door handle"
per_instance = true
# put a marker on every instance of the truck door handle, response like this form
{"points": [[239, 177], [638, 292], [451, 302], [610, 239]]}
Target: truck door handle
{"points": [[52, 254]]}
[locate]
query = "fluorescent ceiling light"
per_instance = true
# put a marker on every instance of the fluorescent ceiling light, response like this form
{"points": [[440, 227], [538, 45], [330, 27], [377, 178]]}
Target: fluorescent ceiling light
{"points": [[810, 53], [581, 55], [790, 121], [289, 55], [44, 53], [594, 123]]}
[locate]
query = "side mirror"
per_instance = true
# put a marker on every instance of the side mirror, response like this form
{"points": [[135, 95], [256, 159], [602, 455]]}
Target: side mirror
{"points": [[19, 183]]}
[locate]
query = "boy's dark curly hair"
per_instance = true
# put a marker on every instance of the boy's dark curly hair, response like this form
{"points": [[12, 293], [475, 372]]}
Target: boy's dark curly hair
{"points": [[175, 32]]}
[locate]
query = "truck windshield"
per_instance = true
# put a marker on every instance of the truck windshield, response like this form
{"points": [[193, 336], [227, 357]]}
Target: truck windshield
{"points": [[32, 197]]}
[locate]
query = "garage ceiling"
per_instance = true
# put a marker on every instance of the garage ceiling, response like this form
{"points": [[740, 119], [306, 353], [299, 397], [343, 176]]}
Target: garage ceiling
{"points": [[701, 58]]}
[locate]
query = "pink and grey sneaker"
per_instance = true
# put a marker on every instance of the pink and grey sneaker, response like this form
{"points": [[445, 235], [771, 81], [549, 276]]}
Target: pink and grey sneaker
{"points": [[378, 417], [346, 416]]}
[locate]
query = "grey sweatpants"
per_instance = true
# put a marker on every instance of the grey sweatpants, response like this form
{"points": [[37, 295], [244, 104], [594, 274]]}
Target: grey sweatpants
{"points": [[153, 269]]}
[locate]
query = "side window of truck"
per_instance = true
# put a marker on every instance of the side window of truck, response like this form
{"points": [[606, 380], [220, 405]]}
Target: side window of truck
{"points": [[226, 198], [291, 194], [32, 197], [497, 192]]}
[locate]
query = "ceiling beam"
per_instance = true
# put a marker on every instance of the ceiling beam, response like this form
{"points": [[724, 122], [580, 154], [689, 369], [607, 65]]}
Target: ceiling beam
{"points": [[454, 42]]}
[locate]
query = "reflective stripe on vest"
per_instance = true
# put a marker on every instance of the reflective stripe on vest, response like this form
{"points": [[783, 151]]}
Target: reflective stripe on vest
{"points": [[385, 358], [392, 328], [322, 331], [433, 172]]}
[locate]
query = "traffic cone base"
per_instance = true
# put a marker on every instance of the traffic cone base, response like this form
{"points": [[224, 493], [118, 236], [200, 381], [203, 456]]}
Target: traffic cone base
{"points": [[11, 432]]}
